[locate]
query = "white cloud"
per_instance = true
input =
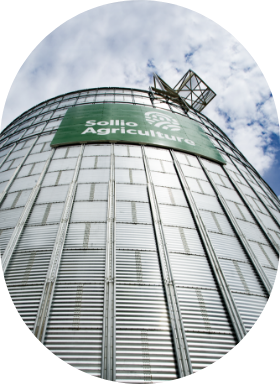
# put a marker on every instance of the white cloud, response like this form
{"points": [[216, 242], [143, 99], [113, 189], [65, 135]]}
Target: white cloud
{"points": [[112, 46]]}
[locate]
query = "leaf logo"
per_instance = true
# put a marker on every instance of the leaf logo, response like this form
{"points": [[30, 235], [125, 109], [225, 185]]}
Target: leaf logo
{"points": [[163, 121]]}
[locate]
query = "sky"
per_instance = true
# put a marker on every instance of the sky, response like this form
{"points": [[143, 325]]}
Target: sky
{"points": [[122, 44]]}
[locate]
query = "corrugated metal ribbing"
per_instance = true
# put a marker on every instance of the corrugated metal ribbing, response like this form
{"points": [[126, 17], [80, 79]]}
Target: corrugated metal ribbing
{"points": [[183, 240], [133, 163], [176, 216], [227, 246], [170, 196], [9, 217], [52, 194], [207, 202], [138, 267], [133, 212], [128, 150], [132, 193], [91, 192], [144, 347], [252, 231], [90, 211], [37, 237], [74, 330], [93, 176], [96, 162], [26, 300], [92, 234], [24, 183], [130, 176], [135, 236], [5, 235], [97, 150], [268, 222], [207, 326], [216, 222], [250, 307]]}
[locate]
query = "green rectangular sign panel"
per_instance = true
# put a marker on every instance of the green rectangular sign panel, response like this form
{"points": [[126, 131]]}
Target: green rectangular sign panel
{"points": [[127, 123]]}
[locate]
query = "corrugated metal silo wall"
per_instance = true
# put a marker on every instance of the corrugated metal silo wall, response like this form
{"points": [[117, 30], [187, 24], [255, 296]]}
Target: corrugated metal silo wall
{"points": [[76, 219]]}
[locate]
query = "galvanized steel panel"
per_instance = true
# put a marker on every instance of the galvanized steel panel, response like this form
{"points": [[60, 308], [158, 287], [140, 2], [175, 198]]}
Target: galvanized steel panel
{"points": [[128, 150], [170, 196], [268, 222], [161, 166], [46, 214], [130, 176], [52, 194], [89, 211], [74, 331], [17, 154], [200, 186], [239, 211], [241, 277], [227, 246], [265, 254], [144, 356], [183, 240], [251, 231], [187, 159], [5, 176], [137, 267], [96, 162], [247, 190], [221, 180], [176, 216], [24, 183], [26, 300], [213, 167], [3, 186], [28, 268], [135, 236], [165, 180], [9, 217], [196, 173], [31, 169], [97, 150], [133, 212], [207, 326], [132, 163], [15, 200], [271, 274], [206, 202], [155, 153], [256, 205], [86, 235], [62, 164], [250, 308], [206, 348], [82, 266], [216, 222], [37, 157], [230, 194], [145, 351], [58, 178], [93, 176], [92, 192], [276, 236], [37, 238], [132, 192], [5, 235], [11, 164], [192, 271], [65, 152]]}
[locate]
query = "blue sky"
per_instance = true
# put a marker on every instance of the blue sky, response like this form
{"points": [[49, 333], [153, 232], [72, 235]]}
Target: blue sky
{"points": [[121, 44]]}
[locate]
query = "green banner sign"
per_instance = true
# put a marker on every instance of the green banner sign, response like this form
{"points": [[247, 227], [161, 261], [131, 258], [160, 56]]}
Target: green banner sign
{"points": [[127, 123]]}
